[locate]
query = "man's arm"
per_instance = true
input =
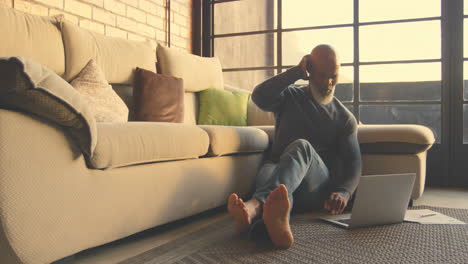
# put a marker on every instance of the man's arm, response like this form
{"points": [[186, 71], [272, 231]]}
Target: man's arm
{"points": [[268, 95], [352, 165], [352, 168]]}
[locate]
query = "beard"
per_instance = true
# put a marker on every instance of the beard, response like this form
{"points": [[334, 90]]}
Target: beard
{"points": [[323, 95]]}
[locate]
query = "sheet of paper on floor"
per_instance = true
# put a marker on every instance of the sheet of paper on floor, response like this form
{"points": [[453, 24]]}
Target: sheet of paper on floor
{"points": [[429, 217]]}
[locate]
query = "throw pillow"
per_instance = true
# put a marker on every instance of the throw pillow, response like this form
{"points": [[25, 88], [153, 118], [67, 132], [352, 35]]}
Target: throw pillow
{"points": [[28, 86], [103, 100], [157, 97], [220, 107]]}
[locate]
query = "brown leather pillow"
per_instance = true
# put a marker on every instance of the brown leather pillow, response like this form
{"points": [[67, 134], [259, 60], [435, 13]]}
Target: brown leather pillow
{"points": [[157, 97]]}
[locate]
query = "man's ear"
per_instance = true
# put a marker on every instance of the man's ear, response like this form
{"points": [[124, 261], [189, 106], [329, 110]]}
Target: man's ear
{"points": [[309, 67]]}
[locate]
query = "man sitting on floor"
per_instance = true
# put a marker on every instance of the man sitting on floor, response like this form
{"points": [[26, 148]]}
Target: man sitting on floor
{"points": [[314, 132]]}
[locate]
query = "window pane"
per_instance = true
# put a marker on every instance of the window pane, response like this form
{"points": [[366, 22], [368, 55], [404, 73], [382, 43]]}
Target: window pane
{"points": [[400, 41], [246, 51], [372, 10], [465, 37], [242, 16], [465, 123], [400, 82], [296, 44], [465, 78], [427, 115], [302, 13], [408, 72], [247, 80], [344, 88]]}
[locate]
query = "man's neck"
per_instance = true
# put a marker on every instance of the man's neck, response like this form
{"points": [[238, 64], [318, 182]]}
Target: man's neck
{"points": [[319, 97]]}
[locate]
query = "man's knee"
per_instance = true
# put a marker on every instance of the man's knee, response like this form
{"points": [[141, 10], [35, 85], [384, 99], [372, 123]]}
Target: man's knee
{"points": [[302, 146]]}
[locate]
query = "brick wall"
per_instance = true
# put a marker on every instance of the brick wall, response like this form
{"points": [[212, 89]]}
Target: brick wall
{"points": [[128, 19]]}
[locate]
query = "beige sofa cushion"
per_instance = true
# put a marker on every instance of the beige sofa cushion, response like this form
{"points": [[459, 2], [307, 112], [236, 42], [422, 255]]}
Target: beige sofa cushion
{"points": [[121, 144], [28, 86], [230, 139], [33, 37], [116, 57], [198, 73], [409, 139]]}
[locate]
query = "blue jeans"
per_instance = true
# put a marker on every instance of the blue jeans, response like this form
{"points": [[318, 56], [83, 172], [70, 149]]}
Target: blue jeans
{"points": [[303, 173]]}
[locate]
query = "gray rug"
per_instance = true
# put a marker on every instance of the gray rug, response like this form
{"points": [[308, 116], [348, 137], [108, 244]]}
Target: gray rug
{"points": [[320, 242]]}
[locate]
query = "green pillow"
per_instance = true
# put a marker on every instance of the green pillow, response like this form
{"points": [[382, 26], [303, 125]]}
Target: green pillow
{"points": [[220, 107]]}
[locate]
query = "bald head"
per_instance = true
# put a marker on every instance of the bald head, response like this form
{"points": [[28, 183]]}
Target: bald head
{"points": [[324, 56], [325, 68]]}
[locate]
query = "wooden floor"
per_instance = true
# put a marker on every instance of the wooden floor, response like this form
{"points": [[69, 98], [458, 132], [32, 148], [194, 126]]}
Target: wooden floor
{"points": [[126, 248]]}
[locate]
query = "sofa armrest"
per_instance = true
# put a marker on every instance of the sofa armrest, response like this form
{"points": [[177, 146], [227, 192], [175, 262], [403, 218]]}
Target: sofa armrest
{"points": [[258, 117], [408, 139], [40, 165], [385, 139], [269, 130]]}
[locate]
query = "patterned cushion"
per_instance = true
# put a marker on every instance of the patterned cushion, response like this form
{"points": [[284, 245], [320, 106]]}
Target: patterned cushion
{"points": [[107, 106]]}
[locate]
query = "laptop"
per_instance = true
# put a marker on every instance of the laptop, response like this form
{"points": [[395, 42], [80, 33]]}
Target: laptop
{"points": [[380, 200]]}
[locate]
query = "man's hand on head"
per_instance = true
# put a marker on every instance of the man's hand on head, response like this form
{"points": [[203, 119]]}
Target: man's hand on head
{"points": [[306, 66], [336, 203]]}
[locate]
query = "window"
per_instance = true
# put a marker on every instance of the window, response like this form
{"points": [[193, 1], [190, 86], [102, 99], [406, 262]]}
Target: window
{"points": [[399, 63], [397, 66]]}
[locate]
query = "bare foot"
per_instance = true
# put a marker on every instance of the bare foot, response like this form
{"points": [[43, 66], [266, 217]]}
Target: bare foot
{"points": [[275, 216], [238, 210]]}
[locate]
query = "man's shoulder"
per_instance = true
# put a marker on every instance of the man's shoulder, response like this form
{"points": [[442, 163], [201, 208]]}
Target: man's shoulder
{"points": [[344, 114], [339, 106], [293, 91], [297, 88]]}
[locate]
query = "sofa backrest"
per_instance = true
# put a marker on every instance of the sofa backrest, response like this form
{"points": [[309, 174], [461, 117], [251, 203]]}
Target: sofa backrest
{"points": [[66, 49], [190, 108], [117, 57], [31, 36], [199, 73]]}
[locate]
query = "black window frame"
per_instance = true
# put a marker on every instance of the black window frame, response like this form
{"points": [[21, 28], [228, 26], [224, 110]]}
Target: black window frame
{"points": [[445, 158]]}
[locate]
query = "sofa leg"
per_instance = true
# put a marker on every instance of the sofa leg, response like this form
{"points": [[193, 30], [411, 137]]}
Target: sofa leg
{"points": [[410, 203]]}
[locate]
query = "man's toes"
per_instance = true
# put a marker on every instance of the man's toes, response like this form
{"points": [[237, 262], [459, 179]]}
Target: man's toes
{"points": [[245, 213], [232, 198], [283, 189], [279, 193]]}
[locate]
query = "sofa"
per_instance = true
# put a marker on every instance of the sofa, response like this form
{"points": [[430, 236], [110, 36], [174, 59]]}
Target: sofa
{"points": [[55, 201]]}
